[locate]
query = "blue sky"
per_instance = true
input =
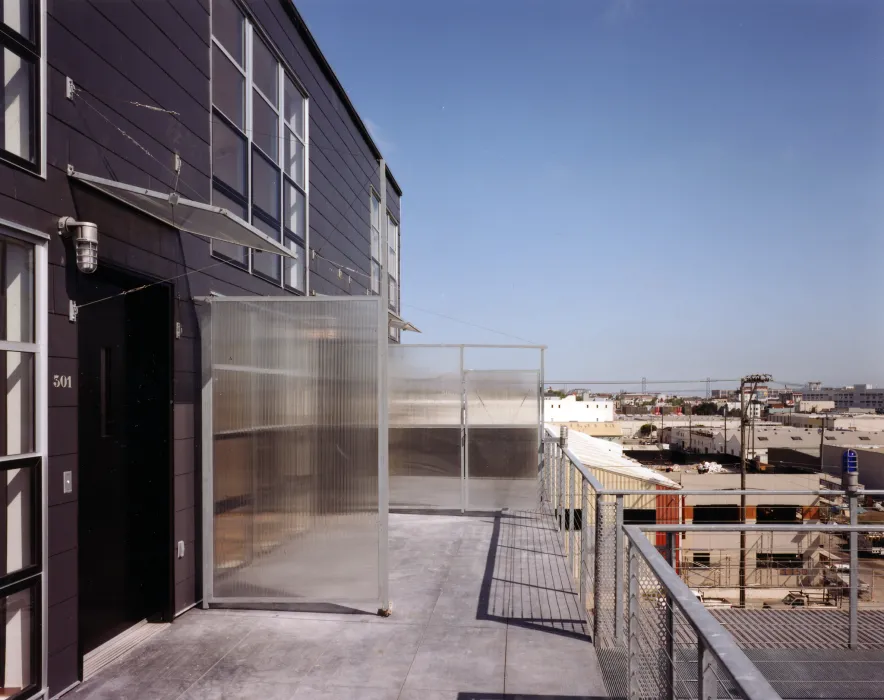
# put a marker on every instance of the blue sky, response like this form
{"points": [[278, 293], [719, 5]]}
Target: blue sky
{"points": [[673, 189]]}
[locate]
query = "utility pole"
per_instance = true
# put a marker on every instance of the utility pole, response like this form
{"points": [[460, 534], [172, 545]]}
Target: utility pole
{"points": [[822, 441], [690, 432], [753, 380], [661, 425], [754, 404], [724, 447]]}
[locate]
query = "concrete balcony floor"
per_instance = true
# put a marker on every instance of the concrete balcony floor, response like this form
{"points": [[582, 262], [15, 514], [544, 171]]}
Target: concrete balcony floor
{"points": [[483, 609]]}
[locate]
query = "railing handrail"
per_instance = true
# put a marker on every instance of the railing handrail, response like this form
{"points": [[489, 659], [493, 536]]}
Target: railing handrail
{"points": [[749, 527], [602, 491], [751, 683], [727, 492]]}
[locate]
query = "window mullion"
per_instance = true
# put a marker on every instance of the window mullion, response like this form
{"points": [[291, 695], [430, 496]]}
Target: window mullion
{"points": [[280, 153], [220, 46], [247, 59]]}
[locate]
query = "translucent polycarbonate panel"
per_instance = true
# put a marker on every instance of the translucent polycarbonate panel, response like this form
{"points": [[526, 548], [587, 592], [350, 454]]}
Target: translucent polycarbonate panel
{"points": [[426, 395], [295, 450], [503, 439], [493, 357]]}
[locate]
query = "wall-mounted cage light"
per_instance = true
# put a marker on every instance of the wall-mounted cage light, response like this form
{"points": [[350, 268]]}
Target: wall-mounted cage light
{"points": [[85, 235]]}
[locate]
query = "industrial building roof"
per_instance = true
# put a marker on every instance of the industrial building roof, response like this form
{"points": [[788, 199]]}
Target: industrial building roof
{"points": [[802, 438], [602, 454]]}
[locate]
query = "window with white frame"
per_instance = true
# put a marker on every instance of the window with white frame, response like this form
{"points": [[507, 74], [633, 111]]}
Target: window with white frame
{"points": [[375, 243], [21, 446], [393, 268], [20, 31], [259, 146], [393, 260]]}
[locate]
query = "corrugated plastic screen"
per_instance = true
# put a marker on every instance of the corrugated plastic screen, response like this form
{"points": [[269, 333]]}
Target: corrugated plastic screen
{"points": [[503, 439], [295, 449], [426, 395]]}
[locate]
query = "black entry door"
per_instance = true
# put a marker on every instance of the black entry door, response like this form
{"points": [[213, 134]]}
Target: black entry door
{"points": [[125, 505]]}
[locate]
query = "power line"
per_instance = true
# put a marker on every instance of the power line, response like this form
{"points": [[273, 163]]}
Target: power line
{"points": [[468, 323], [149, 284], [643, 382]]}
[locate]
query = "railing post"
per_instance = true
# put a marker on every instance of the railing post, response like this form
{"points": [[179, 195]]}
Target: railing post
{"points": [[853, 636], [560, 501], [597, 570], [633, 660], [618, 573], [670, 620], [707, 683], [572, 502], [584, 540]]}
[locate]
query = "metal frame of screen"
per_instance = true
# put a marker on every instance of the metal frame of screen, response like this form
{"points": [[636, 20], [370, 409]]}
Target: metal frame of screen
{"points": [[309, 485], [430, 387]]}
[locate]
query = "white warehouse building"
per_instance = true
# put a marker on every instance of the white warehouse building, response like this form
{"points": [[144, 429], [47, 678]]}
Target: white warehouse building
{"points": [[570, 410]]}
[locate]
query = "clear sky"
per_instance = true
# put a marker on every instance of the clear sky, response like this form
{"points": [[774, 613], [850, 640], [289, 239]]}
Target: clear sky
{"points": [[673, 189]]}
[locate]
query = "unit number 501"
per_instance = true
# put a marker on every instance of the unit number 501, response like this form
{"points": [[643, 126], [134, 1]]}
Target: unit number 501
{"points": [[61, 381]]}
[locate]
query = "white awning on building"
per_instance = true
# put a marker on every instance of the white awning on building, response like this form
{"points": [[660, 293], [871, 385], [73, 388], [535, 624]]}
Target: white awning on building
{"points": [[186, 214], [396, 321]]}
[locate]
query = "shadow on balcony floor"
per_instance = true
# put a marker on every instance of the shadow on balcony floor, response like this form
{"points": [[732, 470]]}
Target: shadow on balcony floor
{"points": [[483, 609]]}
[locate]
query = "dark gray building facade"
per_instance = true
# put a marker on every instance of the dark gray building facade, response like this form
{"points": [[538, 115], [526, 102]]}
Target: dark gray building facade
{"points": [[110, 107]]}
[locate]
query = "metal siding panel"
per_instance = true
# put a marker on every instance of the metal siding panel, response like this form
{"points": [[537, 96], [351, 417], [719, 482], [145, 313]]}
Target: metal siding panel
{"points": [[63, 577], [185, 594], [326, 150], [352, 214], [184, 456], [140, 28], [62, 528], [182, 22], [62, 430], [62, 625], [185, 490], [63, 669], [194, 13], [72, 32], [183, 421]]}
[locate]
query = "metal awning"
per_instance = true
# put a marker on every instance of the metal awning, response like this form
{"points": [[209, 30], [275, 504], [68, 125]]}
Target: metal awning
{"points": [[397, 321], [186, 214]]}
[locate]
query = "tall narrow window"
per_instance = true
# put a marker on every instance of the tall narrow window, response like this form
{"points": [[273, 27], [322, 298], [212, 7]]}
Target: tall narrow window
{"points": [[375, 243], [20, 501], [393, 260], [259, 146], [229, 140], [20, 122], [294, 139]]}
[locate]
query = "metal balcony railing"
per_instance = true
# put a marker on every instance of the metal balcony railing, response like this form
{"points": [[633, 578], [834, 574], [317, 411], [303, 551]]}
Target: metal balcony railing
{"points": [[636, 599]]}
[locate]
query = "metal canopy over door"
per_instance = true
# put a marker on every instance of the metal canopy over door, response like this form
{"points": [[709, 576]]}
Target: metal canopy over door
{"points": [[293, 478]]}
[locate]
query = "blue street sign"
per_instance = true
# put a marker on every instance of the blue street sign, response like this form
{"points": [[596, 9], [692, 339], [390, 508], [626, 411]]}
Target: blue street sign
{"points": [[849, 461]]}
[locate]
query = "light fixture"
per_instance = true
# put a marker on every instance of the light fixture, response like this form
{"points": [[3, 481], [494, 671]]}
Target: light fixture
{"points": [[85, 235]]}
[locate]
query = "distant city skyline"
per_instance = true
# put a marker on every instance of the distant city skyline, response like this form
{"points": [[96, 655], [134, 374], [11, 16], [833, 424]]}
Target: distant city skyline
{"points": [[659, 189]]}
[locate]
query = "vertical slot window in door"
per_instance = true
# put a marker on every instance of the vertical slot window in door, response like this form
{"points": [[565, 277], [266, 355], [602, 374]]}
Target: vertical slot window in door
{"points": [[104, 388]]}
